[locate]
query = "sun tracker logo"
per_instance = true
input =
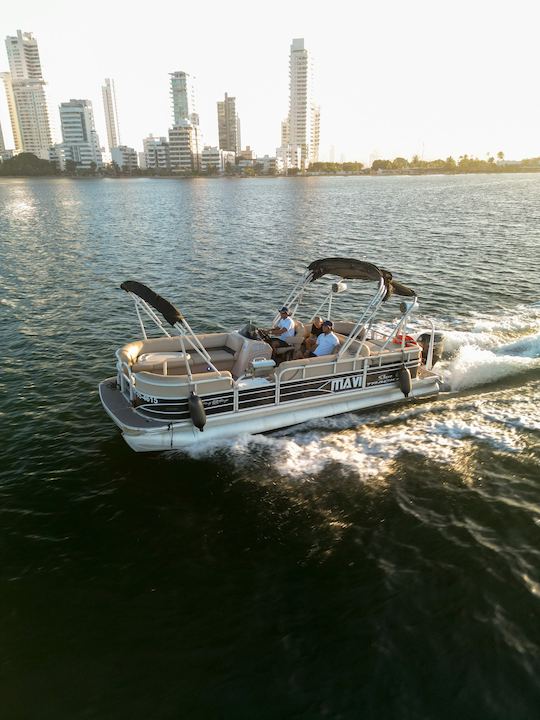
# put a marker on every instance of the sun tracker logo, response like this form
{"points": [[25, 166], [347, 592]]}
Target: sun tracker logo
{"points": [[347, 383]]}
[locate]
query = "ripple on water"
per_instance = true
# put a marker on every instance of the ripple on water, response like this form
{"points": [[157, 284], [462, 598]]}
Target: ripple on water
{"points": [[398, 547]]}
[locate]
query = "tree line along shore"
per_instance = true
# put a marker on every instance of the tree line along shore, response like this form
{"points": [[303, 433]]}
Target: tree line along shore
{"points": [[28, 165]]}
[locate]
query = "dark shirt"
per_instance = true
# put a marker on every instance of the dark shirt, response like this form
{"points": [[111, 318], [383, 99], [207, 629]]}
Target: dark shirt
{"points": [[316, 331]]}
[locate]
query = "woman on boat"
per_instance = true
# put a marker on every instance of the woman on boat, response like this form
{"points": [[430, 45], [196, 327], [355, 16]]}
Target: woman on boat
{"points": [[310, 342]]}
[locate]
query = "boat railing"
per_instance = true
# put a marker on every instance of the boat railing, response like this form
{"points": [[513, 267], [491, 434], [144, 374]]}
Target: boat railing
{"points": [[239, 397], [125, 377], [359, 364]]}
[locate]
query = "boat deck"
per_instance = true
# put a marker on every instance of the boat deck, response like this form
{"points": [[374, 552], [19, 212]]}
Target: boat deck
{"points": [[120, 409]]}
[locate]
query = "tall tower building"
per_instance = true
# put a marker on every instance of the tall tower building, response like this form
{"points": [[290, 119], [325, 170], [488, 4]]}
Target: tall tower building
{"points": [[183, 98], [228, 125], [2, 146], [111, 113], [185, 141], [304, 113], [80, 140], [25, 93]]}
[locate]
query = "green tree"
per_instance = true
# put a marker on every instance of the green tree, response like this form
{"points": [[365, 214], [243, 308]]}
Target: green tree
{"points": [[27, 165], [400, 163], [381, 165]]}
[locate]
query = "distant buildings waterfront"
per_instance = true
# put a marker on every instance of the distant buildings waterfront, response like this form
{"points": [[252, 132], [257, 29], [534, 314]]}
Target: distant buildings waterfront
{"points": [[183, 151]]}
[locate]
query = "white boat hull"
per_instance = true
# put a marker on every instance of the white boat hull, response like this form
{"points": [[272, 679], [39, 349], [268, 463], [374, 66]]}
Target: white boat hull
{"points": [[175, 436]]}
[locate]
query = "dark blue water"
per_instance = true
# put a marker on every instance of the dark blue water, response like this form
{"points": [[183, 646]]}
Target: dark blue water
{"points": [[374, 565]]}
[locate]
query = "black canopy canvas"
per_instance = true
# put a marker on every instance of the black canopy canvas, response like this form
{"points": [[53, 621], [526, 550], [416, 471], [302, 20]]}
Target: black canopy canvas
{"points": [[171, 314], [351, 269]]}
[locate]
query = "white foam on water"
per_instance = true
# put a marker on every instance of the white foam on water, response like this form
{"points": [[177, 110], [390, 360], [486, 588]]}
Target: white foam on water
{"points": [[489, 331], [475, 366], [527, 346], [454, 340], [445, 431]]}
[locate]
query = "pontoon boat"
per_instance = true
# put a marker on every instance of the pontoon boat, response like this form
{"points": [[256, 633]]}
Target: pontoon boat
{"points": [[186, 387]]}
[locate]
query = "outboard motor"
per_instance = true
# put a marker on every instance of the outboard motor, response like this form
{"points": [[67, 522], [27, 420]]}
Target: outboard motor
{"points": [[196, 411], [438, 346]]}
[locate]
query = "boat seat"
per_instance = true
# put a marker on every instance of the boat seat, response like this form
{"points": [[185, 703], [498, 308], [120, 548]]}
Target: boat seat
{"points": [[228, 352], [343, 327], [306, 368], [217, 355], [356, 349]]}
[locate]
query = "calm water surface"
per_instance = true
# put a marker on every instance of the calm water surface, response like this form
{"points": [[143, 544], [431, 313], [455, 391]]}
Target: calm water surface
{"points": [[373, 565]]}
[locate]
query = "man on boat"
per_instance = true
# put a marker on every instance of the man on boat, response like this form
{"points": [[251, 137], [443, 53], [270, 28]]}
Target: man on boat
{"points": [[327, 342], [284, 329]]}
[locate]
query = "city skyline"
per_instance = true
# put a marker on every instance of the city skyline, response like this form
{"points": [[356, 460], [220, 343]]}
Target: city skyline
{"points": [[391, 81]]}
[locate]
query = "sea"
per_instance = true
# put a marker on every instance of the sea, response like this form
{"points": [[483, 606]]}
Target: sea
{"points": [[373, 565]]}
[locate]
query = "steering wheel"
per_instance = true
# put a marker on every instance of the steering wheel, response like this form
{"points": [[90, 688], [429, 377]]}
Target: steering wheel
{"points": [[262, 335]]}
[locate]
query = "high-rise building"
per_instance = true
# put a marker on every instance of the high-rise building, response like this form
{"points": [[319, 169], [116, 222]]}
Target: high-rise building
{"points": [[111, 113], [183, 98], [80, 142], [25, 93], [228, 125], [185, 141], [2, 145], [304, 113]]}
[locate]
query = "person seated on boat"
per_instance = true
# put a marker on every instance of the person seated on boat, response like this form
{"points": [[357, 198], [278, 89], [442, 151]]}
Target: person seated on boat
{"points": [[283, 330], [310, 343], [327, 342]]}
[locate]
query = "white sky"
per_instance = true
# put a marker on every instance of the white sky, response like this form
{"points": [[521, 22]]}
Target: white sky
{"points": [[395, 77]]}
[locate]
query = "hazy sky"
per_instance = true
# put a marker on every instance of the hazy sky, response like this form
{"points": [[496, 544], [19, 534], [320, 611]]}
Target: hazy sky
{"points": [[395, 77]]}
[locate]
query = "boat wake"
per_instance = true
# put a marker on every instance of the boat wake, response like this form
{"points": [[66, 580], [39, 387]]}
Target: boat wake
{"points": [[473, 366], [444, 431], [367, 445], [492, 349]]}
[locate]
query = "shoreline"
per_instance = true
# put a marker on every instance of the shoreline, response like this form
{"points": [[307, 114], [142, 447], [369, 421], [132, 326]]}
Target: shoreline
{"points": [[376, 174]]}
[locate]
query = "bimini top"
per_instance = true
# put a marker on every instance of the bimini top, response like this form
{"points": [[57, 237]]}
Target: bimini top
{"points": [[350, 269], [171, 314]]}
